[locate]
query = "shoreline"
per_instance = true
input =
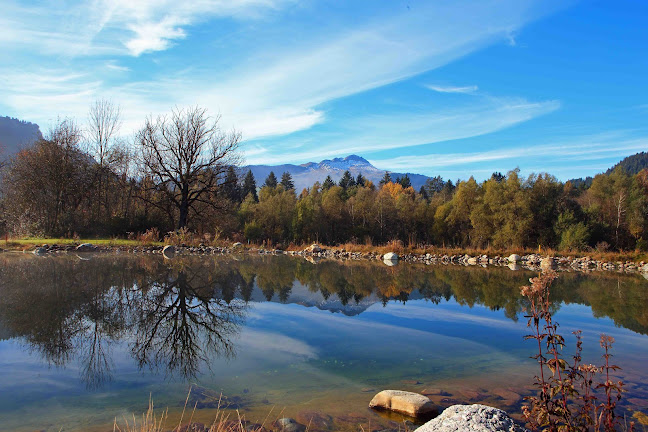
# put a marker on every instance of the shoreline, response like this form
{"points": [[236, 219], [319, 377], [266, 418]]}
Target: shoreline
{"points": [[532, 261]]}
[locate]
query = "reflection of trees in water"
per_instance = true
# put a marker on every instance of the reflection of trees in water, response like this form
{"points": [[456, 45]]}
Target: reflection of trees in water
{"points": [[183, 320], [181, 313], [66, 309]]}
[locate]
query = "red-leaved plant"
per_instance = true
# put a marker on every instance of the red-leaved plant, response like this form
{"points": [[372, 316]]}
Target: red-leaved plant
{"points": [[569, 397]]}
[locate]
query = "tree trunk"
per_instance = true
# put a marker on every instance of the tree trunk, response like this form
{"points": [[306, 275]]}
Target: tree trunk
{"points": [[184, 207]]}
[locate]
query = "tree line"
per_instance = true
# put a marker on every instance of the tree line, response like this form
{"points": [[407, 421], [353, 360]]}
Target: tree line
{"points": [[504, 211], [182, 172]]}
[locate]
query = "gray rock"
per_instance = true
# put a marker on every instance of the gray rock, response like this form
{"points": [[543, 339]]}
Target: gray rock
{"points": [[314, 248], [547, 263], [40, 251], [169, 251], [289, 425], [472, 418], [86, 247], [412, 404], [237, 245]]}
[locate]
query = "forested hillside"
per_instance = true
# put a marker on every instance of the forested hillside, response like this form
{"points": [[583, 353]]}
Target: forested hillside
{"points": [[16, 134], [632, 164]]}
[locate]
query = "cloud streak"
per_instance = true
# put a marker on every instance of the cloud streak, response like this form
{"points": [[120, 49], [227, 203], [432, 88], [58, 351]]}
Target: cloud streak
{"points": [[406, 130], [452, 89], [579, 149]]}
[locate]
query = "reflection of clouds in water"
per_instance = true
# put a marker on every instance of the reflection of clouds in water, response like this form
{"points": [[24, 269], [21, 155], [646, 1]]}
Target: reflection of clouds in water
{"points": [[439, 314], [269, 342], [367, 335]]}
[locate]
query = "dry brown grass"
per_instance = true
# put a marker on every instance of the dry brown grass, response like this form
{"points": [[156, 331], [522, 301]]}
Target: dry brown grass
{"points": [[152, 422]]}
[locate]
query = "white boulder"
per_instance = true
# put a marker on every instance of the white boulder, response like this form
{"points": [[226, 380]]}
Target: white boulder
{"points": [[474, 418], [390, 256]]}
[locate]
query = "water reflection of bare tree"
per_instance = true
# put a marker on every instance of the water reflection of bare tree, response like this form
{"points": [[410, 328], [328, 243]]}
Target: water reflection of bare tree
{"points": [[183, 322]]}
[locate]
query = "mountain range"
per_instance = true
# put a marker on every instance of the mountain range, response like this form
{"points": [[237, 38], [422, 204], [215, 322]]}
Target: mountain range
{"points": [[305, 175]]}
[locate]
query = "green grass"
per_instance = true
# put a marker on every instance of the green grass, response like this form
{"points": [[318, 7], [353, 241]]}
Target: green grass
{"points": [[23, 243]]}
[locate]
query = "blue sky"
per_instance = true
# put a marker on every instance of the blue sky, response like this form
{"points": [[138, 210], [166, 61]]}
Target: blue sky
{"points": [[454, 88]]}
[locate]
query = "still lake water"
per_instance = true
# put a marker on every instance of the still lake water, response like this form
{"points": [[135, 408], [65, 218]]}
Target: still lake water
{"points": [[85, 340]]}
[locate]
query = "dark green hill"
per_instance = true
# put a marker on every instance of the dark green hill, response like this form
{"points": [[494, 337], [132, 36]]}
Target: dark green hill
{"points": [[632, 164], [17, 134]]}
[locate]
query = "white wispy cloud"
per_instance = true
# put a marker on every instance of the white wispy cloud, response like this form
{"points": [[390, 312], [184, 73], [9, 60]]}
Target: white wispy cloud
{"points": [[585, 148], [280, 84], [401, 130], [452, 89], [116, 26]]}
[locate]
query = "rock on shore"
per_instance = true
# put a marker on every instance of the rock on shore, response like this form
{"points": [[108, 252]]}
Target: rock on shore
{"points": [[472, 418], [412, 404]]}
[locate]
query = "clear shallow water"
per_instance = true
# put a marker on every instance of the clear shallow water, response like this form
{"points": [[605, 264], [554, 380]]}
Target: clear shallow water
{"points": [[84, 341]]}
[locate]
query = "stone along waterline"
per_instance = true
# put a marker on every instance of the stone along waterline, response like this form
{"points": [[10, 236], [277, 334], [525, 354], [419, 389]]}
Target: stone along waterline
{"points": [[87, 340]]}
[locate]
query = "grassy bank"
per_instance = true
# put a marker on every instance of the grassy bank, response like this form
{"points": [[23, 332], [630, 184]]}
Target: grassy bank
{"points": [[31, 242]]}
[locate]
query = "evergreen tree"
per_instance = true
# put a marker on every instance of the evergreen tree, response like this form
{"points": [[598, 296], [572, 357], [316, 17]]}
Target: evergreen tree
{"points": [[346, 181], [271, 180], [328, 183], [360, 180], [423, 193], [434, 185], [249, 186], [231, 187], [404, 181], [498, 177], [386, 179], [287, 181]]}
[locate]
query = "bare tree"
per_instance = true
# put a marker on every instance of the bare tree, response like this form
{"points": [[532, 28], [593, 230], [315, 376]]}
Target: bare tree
{"points": [[104, 121], [187, 155]]}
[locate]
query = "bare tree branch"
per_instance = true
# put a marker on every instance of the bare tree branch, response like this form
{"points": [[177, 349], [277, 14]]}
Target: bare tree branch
{"points": [[186, 155]]}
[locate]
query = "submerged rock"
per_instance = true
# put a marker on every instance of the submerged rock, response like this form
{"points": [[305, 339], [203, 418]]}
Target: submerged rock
{"points": [[477, 418], [169, 251], [315, 420], [191, 427], [289, 425], [412, 404]]}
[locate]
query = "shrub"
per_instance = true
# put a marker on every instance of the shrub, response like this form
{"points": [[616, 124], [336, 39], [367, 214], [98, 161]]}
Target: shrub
{"points": [[569, 399]]}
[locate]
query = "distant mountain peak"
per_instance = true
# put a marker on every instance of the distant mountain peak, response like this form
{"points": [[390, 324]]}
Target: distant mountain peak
{"points": [[305, 175], [345, 163]]}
